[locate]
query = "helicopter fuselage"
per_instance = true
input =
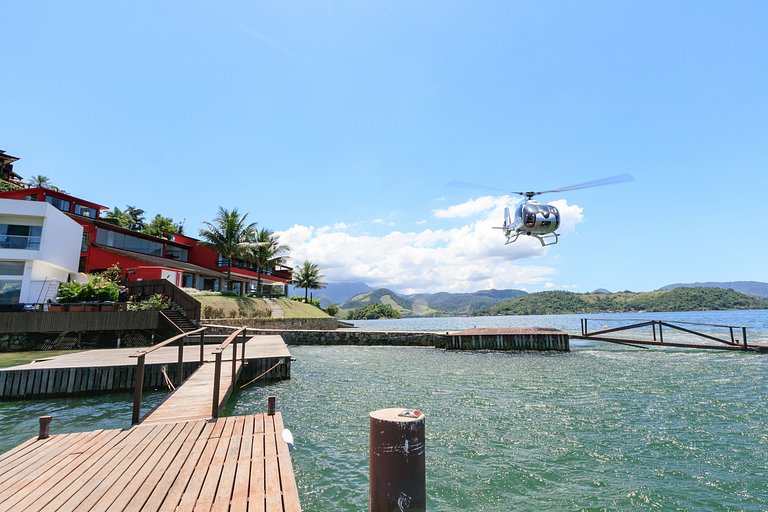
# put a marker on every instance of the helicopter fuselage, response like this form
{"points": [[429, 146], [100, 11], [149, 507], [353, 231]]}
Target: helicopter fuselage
{"points": [[533, 219]]}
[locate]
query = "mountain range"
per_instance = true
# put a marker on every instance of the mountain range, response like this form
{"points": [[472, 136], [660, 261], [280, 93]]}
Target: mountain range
{"points": [[354, 295]]}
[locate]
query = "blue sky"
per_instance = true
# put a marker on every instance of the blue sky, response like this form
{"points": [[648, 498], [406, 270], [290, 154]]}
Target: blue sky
{"points": [[340, 124]]}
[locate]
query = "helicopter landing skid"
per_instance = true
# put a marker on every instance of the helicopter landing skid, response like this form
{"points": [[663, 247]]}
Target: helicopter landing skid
{"points": [[548, 239]]}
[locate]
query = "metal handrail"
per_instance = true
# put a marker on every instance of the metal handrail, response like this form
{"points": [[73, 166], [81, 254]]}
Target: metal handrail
{"points": [[672, 324], [138, 374]]}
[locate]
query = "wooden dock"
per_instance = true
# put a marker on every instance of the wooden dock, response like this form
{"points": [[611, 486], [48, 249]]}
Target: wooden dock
{"points": [[109, 370], [508, 339], [235, 463]]}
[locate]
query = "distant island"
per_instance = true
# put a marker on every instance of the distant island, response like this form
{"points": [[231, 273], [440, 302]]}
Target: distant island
{"points": [[388, 304]]}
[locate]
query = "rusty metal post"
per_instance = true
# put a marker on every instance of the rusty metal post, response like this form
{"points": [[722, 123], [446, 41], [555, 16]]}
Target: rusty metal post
{"points": [[45, 427], [180, 363], [744, 336], [397, 463], [202, 347], [653, 326], [216, 384], [661, 333], [271, 405], [138, 388]]}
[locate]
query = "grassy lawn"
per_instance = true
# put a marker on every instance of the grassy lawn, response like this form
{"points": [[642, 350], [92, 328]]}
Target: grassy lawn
{"points": [[16, 358], [249, 307], [295, 309], [243, 307]]}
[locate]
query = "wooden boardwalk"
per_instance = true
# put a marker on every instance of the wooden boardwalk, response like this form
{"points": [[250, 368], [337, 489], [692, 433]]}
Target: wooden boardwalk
{"points": [[192, 400], [107, 370], [237, 463]]}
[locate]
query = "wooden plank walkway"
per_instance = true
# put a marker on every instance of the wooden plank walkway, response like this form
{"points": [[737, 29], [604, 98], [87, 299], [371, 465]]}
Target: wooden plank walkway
{"points": [[237, 463], [193, 399]]}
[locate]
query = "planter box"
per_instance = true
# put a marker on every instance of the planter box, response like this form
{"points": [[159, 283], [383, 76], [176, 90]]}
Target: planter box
{"points": [[75, 307], [57, 307]]}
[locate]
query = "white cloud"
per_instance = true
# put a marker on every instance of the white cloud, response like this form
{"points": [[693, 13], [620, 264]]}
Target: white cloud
{"points": [[469, 257], [471, 207]]}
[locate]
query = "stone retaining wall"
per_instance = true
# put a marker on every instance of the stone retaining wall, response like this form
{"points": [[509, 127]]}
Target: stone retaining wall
{"points": [[366, 338]]}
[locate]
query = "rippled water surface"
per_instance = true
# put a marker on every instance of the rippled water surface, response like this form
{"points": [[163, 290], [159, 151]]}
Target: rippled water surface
{"points": [[599, 428]]}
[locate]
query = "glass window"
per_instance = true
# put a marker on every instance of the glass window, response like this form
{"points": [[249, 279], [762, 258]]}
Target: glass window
{"points": [[11, 268], [61, 204], [85, 211], [175, 253], [31, 197], [84, 242], [17, 236], [10, 291], [128, 242]]}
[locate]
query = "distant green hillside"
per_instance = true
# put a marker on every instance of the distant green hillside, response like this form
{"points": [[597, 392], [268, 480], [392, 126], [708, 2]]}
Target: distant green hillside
{"points": [[430, 304], [677, 299], [381, 296]]}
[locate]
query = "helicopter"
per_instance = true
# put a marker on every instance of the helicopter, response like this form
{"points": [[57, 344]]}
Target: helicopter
{"points": [[541, 221]]}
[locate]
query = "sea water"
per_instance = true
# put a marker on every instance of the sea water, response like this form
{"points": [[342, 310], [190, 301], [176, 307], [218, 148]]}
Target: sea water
{"points": [[600, 428]]}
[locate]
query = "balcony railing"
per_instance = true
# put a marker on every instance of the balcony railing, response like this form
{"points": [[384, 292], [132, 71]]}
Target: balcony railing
{"points": [[20, 242]]}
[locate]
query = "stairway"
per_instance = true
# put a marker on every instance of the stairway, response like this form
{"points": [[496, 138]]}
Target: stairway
{"points": [[181, 321]]}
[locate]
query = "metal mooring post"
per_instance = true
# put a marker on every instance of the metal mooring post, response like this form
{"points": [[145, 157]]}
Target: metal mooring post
{"points": [[397, 478]]}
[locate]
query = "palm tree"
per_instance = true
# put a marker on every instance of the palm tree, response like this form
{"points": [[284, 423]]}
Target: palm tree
{"points": [[135, 218], [308, 277], [40, 181], [267, 252], [229, 235]]}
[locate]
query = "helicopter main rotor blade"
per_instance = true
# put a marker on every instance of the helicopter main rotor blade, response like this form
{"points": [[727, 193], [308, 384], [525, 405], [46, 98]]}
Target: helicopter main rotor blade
{"points": [[610, 180], [467, 184]]}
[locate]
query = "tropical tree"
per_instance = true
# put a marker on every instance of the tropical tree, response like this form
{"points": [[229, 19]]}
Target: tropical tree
{"points": [[267, 252], [40, 181], [135, 218], [160, 225], [118, 217], [230, 235], [308, 277]]}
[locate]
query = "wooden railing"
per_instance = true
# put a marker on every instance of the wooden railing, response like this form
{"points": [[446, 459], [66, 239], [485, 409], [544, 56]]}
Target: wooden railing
{"points": [[186, 302], [138, 374], [217, 369]]}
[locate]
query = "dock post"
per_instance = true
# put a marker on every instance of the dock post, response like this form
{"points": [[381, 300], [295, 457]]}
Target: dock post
{"points": [[744, 336], [234, 362], [242, 349], [138, 388], [180, 363], [202, 347], [271, 405], [216, 383], [397, 476], [45, 427]]}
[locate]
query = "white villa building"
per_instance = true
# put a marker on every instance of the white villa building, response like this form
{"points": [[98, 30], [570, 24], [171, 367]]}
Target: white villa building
{"points": [[39, 249]]}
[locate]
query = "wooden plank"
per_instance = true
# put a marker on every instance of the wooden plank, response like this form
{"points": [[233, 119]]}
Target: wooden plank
{"points": [[157, 484], [121, 491], [243, 472], [226, 482], [61, 476], [38, 452], [257, 490], [287, 477], [171, 499], [197, 478], [208, 488], [97, 478], [271, 467]]}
